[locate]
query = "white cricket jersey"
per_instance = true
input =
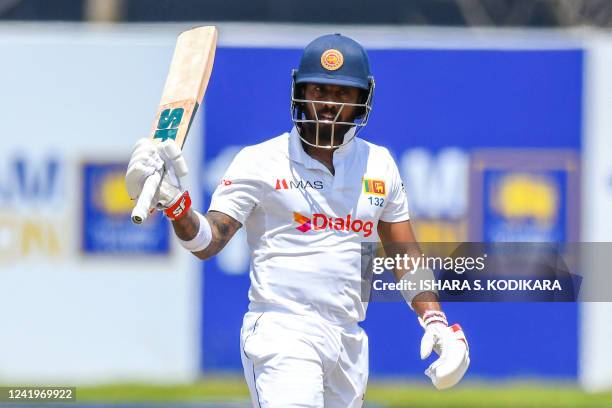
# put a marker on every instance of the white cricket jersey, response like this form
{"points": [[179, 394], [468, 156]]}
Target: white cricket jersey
{"points": [[304, 225]]}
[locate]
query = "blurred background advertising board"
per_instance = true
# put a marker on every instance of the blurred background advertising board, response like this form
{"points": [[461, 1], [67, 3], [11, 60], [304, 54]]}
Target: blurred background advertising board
{"points": [[85, 296]]}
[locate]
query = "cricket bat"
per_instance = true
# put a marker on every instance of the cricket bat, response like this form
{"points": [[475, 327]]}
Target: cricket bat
{"points": [[186, 83]]}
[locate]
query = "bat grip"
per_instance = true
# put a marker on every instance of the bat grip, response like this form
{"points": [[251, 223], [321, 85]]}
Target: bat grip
{"points": [[141, 211]]}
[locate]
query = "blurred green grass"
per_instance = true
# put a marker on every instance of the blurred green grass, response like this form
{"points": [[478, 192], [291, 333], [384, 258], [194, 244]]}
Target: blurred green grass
{"points": [[391, 394]]}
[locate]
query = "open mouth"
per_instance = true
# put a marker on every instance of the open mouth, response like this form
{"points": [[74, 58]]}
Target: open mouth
{"points": [[327, 117]]}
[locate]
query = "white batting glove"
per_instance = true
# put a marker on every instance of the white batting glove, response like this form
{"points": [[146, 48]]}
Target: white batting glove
{"points": [[450, 344], [165, 158]]}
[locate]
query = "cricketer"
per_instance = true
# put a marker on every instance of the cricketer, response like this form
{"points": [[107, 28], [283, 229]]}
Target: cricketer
{"points": [[307, 200]]}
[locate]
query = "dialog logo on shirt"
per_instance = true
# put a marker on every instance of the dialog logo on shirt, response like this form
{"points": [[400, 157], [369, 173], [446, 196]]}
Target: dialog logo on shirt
{"points": [[320, 222], [304, 222], [375, 187], [283, 184]]}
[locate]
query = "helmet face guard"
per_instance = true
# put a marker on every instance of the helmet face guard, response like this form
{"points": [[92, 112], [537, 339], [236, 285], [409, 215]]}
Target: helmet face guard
{"points": [[298, 116]]}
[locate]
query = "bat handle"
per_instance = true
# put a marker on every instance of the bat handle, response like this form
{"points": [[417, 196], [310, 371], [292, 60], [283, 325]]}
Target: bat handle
{"points": [[141, 211]]}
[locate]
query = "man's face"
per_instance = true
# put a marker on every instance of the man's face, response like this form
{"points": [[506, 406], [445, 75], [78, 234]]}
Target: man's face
{"points": [[326, 111]]}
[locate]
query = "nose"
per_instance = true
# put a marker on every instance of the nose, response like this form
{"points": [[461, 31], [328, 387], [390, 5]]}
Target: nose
{"points": [[328, 112], [330, 107]]}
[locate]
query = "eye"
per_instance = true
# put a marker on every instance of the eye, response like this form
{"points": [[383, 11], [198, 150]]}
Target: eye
{"points": [[314, 91], [345, 94]]}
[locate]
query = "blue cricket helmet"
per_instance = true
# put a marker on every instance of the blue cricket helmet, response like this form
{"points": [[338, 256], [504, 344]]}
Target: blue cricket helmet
{"points": [[335, 59], [332, 59]]}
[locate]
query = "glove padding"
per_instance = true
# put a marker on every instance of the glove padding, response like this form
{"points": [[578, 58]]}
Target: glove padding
{"points": [[150, 157], [451, 345]]}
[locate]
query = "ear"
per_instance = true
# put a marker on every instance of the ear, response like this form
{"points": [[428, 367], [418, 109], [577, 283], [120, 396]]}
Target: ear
{"points": [[363, 98], [300, 91]]}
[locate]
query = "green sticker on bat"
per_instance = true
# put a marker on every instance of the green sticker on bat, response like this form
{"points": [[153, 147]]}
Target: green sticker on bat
{"points": [[169, 121]]}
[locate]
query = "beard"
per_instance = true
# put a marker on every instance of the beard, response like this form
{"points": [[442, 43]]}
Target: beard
{"points": [[325, 133]]}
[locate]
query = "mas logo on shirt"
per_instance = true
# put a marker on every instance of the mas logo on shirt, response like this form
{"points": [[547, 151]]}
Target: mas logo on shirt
{"points": [[283, 184], [374, 187], [323, 222]]}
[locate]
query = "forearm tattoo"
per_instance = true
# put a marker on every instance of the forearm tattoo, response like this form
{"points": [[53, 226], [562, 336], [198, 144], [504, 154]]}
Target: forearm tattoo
{"points": [[187, 227], [223, 228]]}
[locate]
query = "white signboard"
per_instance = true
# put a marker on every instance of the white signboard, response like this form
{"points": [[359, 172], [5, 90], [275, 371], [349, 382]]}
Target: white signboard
{"points": [[80, 300], [596, 331]]}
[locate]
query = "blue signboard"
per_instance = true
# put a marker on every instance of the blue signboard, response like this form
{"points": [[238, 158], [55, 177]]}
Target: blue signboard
{"points": [[521, 195], [106, 224], [524, 206], [434, 109]]}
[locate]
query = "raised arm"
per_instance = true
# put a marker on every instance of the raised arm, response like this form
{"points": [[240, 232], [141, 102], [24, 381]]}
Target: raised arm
{"points": [[203, 235]]}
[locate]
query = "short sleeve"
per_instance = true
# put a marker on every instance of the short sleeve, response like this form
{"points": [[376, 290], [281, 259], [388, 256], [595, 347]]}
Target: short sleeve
{"points": [[396, 206], [240, 190]]}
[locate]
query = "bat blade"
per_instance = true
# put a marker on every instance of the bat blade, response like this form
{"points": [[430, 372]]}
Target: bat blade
{"points": [[185, 84], [184, 89]]}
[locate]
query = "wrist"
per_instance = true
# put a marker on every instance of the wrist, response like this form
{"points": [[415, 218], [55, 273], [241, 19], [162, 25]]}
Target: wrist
{"points": [[179, 208], [202, 238], [413, 281], [433, 317]]}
